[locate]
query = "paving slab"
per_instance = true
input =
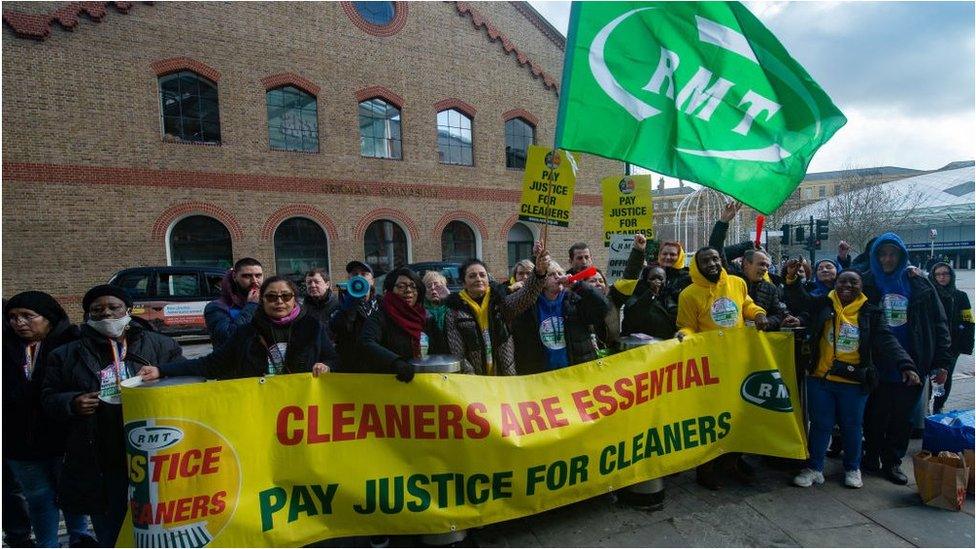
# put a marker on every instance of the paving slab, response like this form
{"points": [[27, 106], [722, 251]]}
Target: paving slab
{"points": [[659, 534], [927, 526], [854, 535], [877, 494], [804, 508], [731, 525]]}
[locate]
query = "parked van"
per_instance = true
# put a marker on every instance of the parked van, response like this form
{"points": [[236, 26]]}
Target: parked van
{"points": [[172, 299]]}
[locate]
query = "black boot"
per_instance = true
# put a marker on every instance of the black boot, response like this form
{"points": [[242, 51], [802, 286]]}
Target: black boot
{"points": [[895, 475], [706, 475]]}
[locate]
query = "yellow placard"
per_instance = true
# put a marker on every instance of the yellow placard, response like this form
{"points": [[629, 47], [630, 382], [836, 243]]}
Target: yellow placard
{"points": [[547, 187], [288, 460], [627, 206]]}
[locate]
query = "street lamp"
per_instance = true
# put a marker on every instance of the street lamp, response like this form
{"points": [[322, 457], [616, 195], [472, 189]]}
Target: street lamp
{"points": [[933, 234]]}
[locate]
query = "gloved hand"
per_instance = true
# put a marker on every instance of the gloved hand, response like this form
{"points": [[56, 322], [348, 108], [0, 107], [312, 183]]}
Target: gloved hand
{"points": [[404, 370]]}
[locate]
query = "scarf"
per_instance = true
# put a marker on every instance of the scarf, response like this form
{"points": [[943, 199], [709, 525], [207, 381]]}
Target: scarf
{"points": [[481, 316], [289, 318], [437, 312], [230, 294], [410, 318]]}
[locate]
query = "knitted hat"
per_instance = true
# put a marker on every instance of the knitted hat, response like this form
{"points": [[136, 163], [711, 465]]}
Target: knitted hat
{"points": [[39, 302], [103, 290]]}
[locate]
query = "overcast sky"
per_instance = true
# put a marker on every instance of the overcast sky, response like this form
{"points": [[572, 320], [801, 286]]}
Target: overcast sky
{"points": [[902, 73]]}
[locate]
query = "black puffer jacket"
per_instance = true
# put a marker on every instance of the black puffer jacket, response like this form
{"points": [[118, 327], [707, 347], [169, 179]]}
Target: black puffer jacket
{"points": [[927, 325], [246, 352], [465, 339], [876, 343], [383, 342], [323, 308], [582, 306], [95, 446], [346, 327], [650, 314], [29, 433]]}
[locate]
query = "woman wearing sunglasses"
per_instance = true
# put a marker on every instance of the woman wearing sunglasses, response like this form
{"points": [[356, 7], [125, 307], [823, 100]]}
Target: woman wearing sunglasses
{"points": [[281, 339]]}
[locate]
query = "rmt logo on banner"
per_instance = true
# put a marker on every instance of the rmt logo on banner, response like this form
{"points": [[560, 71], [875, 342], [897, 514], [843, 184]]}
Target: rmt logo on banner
{"points": [[184, 482]]}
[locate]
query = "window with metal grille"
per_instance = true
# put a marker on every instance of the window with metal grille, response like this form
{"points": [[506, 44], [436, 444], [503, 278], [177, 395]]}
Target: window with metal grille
{"points": [[454, 142], [519, 134], [379, 130], [293, 122], [189, 107]]}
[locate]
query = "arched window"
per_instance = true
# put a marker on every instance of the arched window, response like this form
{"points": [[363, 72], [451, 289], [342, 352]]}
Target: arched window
{"points": [[190, 110], [519, 244], [293, 120], [300, 244], [458, 242], [379, 130], [385, 246], [200, 241], [519, 134], [454, 143]]}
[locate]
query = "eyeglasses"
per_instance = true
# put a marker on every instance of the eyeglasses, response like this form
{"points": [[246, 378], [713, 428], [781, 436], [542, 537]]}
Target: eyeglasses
{"points": [[22, 319], [405, 287], [284, 298]]}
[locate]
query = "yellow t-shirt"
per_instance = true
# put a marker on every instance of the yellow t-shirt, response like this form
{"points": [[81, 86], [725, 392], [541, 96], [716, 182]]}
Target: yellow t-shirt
{"points": [[845, 328]]}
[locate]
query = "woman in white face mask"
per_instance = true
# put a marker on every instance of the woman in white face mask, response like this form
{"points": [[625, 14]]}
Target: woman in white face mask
{"points": [[81, 389]]}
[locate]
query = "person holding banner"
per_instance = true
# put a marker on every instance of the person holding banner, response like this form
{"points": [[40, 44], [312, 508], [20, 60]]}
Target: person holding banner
{"points": [[555, 332], [850, 336], [478, 316], [394, 333], [716, 301], [282, 338], [82, 389], [607, 331]]}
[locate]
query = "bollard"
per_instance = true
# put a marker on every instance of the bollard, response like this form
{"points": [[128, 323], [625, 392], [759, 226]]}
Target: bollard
{"points": [[439, 364], [649, 493]]}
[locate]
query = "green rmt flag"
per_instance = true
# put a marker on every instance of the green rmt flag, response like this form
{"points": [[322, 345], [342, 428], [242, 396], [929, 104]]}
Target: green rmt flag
{"points": [[701, 91]]}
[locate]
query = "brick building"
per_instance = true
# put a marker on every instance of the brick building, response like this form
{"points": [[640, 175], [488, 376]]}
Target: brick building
{"points": [[297, 133]]}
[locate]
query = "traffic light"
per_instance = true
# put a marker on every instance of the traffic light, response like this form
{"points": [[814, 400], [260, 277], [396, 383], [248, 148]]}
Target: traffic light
{"points": [[785, 240], [800, 234], [821, 230]]}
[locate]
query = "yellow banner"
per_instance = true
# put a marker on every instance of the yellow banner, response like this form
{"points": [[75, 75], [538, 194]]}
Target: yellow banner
{"points": [[288, 460], [547, 186], [627, 206]]}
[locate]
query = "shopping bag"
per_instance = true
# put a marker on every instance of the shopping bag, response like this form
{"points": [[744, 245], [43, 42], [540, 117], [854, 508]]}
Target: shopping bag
{"points": [[941, 479], [952, 431]]}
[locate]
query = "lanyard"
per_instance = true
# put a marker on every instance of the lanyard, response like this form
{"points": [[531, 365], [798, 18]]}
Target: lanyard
{"points": [[117, 358], [31, 351]]}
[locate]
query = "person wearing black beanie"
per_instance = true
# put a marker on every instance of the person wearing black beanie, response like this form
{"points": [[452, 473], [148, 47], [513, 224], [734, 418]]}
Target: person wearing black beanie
{"points": [[82, 390], [33, 444]]}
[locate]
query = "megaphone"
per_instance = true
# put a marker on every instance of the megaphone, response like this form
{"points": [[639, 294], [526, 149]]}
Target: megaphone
{"points": [[358, 287]]}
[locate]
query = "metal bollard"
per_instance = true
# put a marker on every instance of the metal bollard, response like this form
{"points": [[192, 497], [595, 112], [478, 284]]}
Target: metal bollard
{"points": [[649, 493], [440, 364]]}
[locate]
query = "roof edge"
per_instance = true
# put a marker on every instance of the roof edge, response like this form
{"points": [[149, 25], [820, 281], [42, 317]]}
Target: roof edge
{"points": [[541, 23]]}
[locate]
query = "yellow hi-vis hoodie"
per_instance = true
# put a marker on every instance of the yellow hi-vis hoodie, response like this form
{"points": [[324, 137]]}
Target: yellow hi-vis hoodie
{"points": [[704, 306]]}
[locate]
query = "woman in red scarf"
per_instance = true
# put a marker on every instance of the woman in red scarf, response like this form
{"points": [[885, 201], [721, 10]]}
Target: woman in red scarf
{"points": [[395, 332]]}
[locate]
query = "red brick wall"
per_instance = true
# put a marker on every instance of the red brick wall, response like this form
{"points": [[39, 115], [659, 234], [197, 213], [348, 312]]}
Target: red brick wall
{"points": [[87, 176]]}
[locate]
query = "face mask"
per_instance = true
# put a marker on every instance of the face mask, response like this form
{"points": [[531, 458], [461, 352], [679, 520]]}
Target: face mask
{"points": [[110, 327]]}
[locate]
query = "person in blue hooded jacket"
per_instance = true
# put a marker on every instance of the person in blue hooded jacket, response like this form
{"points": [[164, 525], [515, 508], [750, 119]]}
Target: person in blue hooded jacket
{"points": [[915, 315]]}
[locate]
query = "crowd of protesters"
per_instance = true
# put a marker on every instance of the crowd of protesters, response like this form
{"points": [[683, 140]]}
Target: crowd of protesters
{"points": [[872, 332]]}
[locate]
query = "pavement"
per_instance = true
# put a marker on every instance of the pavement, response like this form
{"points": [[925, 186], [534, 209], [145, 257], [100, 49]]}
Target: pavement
{"points": [[769, 513]]}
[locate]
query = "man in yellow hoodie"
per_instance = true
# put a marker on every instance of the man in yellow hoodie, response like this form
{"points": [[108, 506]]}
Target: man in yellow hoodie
{"points": [[716, 301]]}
